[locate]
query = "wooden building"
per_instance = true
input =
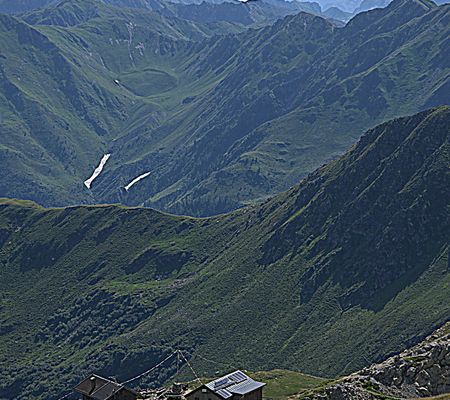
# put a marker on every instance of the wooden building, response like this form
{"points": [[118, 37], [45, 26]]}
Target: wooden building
{"points": [[234, 386], [98, 388]]}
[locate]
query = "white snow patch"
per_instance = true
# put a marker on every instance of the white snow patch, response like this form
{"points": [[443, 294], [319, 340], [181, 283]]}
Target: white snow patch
{"points": [[97, 171], [136, 180]]}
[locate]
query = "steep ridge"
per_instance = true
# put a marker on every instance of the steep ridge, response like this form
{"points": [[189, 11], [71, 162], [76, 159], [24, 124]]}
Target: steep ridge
{"points": [[340, 271], [354, 222], [18, 6], [290, 97], [61, 99], [220, 117], [40, 138], [68, 13], [127, 57], [21, 6], [256, 14], [370, 4], [261, 12]]}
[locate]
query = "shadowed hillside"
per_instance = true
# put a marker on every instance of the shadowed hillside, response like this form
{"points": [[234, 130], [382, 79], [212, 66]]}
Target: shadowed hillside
{"points": [[342, 270], [216, 112]]}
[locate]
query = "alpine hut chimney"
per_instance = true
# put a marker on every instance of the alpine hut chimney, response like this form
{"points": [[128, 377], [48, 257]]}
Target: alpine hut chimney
{"points": [[92, 381]]}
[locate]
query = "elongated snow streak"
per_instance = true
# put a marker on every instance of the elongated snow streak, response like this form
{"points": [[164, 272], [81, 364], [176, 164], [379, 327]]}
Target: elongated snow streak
{"points": [[136, 180], [97, 171]]}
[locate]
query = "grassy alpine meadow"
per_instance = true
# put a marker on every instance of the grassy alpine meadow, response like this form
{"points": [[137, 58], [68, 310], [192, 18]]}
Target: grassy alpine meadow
{"points": [[116, 289], [282, 384], [269, 191], [221, 110]]}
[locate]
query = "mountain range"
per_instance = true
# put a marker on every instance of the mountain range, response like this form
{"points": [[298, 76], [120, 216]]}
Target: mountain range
{"points": [[349, 266], [18, 7], [217, 108], [259, 186], [357, 6]]}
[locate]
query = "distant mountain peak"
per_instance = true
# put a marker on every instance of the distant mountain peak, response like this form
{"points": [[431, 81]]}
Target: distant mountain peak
{"points": [[426, 5], [395, 14]]}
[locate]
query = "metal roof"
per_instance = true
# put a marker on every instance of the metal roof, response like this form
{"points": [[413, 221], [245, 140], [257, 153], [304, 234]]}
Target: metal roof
{"points": [[246, 387], [235, 383], [224, 393]]}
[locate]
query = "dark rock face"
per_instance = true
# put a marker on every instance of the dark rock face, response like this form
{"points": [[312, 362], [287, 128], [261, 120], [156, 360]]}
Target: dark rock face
{"points": [[421, 371]]}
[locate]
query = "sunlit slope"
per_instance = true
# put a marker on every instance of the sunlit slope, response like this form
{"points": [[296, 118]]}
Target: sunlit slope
{"points": [[218, 114], [342, 270], [290, 97], [68, 91]]}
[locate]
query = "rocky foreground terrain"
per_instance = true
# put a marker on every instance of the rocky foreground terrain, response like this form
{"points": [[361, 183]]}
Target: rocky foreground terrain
{"points": [[421, 371]]}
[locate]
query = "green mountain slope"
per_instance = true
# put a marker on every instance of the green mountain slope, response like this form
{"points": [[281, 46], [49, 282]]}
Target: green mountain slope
{"points": [[40, 135], [87, 71], [288, 98], [219, 114], [257, 13], [61, 102], [261, 12], [340, 271], [18, 6]]}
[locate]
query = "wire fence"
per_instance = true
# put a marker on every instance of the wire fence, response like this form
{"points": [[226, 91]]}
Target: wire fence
{"points": [[180, 356]]}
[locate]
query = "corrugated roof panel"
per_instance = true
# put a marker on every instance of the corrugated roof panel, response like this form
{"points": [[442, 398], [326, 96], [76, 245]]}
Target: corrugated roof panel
{"points": [[224, 393], [237, 382], [238, 376], [245, 387], [221, 382]]}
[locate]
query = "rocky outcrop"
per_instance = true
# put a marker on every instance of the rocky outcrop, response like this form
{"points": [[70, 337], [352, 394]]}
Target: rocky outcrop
{"points": [[421, 371]]}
